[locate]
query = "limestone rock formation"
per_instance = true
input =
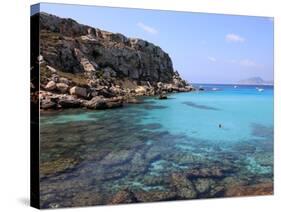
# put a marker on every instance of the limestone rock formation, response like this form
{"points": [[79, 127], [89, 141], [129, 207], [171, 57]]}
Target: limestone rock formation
{"points": [[87, 62], [78, 91]]}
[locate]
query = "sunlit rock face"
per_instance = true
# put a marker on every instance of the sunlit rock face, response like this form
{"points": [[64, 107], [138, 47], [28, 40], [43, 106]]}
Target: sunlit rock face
{"points": [[82, 62], [75, 48]]}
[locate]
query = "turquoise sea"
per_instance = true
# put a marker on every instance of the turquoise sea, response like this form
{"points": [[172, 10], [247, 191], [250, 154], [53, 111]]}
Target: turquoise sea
{"points": [[222, 137]]}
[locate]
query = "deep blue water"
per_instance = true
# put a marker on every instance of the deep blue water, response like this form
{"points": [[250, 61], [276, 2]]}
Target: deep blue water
{"points": [[85, 152]]}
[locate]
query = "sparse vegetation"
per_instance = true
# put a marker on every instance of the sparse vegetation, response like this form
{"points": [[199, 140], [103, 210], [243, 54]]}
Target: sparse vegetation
{"points": [[99, 74], [77, 79], [45, 73]]}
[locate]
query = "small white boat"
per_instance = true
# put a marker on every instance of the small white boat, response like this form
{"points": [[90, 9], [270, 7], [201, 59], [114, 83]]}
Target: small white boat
{"points": [[214, 89], [235, 86], [260, 89]]}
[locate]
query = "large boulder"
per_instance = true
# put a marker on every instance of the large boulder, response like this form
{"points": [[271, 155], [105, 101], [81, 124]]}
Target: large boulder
{"points": [[69, 102], [106, 93], [114, 103], [78, 91], [50, 86], [99, 102], [62, 87], [47, 104], [141, 90], [64, 80]]}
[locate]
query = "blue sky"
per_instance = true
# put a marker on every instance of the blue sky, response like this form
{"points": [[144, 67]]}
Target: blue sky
{"points": [[205, 48]]}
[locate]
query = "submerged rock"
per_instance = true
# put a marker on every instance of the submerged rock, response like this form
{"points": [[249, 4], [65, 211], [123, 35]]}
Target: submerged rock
{"points": [[214, 172], [117, 157], [56, 166], [163, 96], [183, 187], [151, 180], [250, 190], [138, 165], [114, 173], [87, 198], [153, 196], [217, 191], [125, 196], [203, 185]]}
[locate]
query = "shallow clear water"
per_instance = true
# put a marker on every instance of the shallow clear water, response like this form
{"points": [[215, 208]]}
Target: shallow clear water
{"points": [[199, 114], [88, 156]]}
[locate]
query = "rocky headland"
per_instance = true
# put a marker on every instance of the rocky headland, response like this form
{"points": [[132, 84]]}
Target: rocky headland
{"points": [[82, 66]]}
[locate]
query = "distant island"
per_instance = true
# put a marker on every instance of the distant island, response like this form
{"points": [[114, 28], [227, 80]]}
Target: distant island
{"points": [[255, 81]]}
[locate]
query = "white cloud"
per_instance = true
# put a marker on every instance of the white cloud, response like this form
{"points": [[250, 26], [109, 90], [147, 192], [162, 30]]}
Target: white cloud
{"points": [[248, 63], [147, 28], [232, 61], [212, 59], [234, 38]]}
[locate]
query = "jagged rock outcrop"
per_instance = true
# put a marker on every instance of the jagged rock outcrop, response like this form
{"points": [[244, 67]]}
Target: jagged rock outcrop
{"points": [[86, 62], [76, 48]]}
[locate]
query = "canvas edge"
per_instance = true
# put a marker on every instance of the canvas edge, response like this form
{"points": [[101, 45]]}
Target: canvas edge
{"points": [[34, 108]]}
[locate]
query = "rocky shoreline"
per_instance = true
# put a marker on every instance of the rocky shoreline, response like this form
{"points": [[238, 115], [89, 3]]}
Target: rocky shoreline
{"points": [[82, 66], [61, 92]]}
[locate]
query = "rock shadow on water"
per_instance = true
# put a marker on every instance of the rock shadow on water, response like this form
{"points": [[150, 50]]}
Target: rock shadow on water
{"points": [[203, 107], [152, 126], [259, 130], [153, 107]]}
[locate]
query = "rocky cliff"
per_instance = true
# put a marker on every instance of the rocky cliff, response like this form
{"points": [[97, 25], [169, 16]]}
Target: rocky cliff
{"points": [[82, 65]]}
